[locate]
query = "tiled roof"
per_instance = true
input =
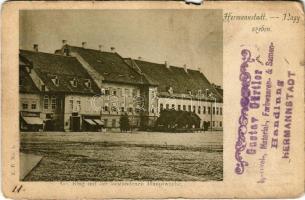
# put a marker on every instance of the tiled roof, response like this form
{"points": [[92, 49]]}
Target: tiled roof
{"points": [[176, 77], [64, 67], [110, 65], [26, 84]]}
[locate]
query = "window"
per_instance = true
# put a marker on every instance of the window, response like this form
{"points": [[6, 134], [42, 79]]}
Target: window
{"points": [[88, 83], [114, 92], [123, 92], [204, 109], [194, 108], [119, 92], [184, 107], [53, 103], [153, 94], [106, 108], [217, 111], [107, 91], [130, 109], [134, 92], [24, 106], [122, 109], [113, 123], [167, 106], [46, 102], [213, 123], [74, 82], [220, 110], [105, 122], [213, 110], [161, 106], [127, 92], [220, 123], [152, 110], [199, 109], [137, 110], [190, 108], [33, 106], [173, 106], [113, 108], [71, 104], [209, 110], [179, 107], [78, 105]]}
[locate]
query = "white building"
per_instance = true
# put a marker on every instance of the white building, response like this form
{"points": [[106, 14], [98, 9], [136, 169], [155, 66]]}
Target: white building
{"points": [[185, 89]]}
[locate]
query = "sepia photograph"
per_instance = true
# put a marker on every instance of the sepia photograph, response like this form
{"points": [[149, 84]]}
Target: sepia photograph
{"points": [[121, 95]]}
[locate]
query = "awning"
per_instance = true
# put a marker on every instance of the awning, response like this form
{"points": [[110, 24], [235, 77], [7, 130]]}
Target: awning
{"points": [[90, 121], [33, 120], [98, 121]]}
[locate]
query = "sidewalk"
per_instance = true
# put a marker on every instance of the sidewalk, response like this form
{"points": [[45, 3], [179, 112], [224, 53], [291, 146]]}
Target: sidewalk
{"points": [[27, 163]]}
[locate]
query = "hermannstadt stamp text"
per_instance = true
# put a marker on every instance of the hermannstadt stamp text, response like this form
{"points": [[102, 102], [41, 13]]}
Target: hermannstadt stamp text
{"points": [[265, 120]]}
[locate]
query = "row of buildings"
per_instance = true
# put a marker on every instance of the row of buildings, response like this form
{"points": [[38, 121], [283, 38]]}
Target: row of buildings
{"points": [[81, 89]]}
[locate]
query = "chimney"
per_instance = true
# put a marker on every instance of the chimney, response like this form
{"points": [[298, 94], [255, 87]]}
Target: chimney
{"points": [[100, 47], [84, 44], [166, 64], [64, 42], [185, 68], [35, 47], [112, 49]]}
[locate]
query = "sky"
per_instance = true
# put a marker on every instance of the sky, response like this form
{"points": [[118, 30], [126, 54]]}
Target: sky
{"points": [[180, 37]]}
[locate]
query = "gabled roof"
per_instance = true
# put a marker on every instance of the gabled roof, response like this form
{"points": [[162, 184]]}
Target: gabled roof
{"points": [[65, 68], [26, 84], [176, 77], [109, 65]]}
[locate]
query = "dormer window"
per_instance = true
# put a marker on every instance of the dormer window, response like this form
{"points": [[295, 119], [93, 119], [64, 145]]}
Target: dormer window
{"points": [[74, 82], [102, 91], [170, 90], [55, 80], [88, 83]]}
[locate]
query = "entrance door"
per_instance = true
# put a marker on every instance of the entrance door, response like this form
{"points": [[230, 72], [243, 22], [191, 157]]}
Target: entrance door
{"points": [[49, 126], [75, 123]]}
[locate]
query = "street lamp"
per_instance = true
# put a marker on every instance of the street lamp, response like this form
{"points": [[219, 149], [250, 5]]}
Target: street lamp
{"points": [[212, 96], [206, 92]]}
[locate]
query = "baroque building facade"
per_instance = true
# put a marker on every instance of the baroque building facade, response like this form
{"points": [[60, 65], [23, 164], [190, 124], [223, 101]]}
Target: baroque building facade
{"points": [[82, 89]]}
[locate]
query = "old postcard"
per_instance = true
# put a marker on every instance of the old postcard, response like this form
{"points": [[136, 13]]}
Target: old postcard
{"points": [[152, 100]]}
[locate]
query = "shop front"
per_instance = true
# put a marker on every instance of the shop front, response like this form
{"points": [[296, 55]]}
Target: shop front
{"points": [[31, 121], [92, 123]]}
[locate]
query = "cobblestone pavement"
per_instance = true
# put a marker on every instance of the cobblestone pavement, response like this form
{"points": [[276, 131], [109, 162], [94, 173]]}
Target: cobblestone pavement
{"points": [[125, 156]]}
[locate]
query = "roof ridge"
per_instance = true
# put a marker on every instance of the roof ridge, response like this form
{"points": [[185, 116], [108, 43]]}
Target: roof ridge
{"points": [[98, 51], [52, 54], [171, 66]]}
